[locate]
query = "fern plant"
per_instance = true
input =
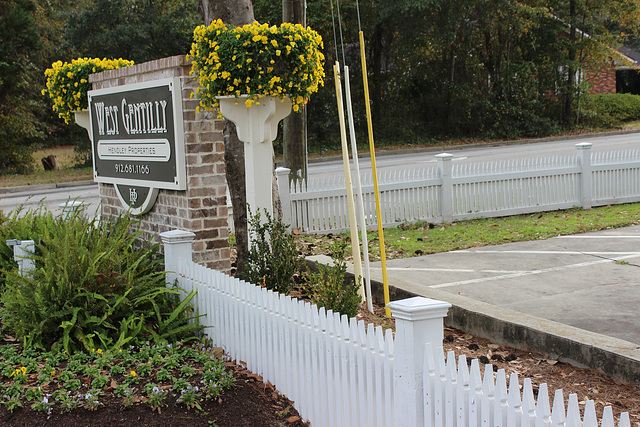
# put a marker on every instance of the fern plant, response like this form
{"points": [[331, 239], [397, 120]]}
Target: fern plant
{"points": [[95, 286]]}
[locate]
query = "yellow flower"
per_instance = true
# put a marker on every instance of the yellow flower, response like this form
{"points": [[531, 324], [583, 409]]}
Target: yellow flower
{"points": [[133, 373]]}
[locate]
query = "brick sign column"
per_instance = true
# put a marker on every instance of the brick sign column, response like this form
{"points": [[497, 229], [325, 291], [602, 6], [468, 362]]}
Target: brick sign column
{"points": [[202, 207]]}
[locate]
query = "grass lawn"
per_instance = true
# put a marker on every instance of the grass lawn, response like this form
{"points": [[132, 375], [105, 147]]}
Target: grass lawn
{"points": [[421, 238], [67, 173]]}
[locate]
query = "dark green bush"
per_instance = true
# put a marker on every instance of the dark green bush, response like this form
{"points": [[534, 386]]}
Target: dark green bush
{"points": [[610, 110], [327, 287], [95, 286], [273, 258]]}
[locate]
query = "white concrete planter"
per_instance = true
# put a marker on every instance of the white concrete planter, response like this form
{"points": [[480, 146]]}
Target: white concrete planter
{"points": [[83, 119], [258, 123], [257, 127]]}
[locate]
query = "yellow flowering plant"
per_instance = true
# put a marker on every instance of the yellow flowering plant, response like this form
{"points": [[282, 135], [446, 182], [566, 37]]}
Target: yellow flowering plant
{"points": [[256, 60], [68, 83]]}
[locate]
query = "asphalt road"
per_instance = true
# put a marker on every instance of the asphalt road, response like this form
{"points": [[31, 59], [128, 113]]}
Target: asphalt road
{"points": [[54, 199]]}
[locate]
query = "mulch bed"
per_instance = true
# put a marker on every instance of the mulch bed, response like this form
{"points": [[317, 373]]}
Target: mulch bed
{"points": [[248, 403]]}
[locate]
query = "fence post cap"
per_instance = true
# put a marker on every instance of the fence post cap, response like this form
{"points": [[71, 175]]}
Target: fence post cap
{"points": [[177, 236], [418, 308], [282, 169], [444, 156], [583, 145]]}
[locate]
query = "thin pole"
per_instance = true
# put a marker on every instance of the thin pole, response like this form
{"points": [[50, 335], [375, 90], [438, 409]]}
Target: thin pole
{"points": [[355, 245], [383, 255], [356, 164]]}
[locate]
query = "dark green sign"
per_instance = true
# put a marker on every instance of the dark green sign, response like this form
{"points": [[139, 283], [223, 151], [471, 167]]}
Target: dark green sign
{"points": [[138, 137]]}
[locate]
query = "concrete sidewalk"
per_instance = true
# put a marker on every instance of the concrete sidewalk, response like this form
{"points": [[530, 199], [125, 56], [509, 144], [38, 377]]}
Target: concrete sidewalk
{"points": [[576, 297]]}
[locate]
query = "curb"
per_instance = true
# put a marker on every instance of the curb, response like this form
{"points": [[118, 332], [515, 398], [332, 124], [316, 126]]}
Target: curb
{"points": [[40, 187]]}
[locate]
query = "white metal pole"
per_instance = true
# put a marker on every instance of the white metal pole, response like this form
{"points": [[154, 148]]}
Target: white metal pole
{"points": [[355, 245], [360, 207]]}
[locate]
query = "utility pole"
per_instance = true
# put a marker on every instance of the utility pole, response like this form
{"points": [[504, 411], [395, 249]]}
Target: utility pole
{"points": [[294, 129]]}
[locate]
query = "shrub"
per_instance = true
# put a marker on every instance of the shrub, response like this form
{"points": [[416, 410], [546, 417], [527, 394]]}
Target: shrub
{"points": [[273, 258], [610, 110], [327, 287], [95, 286]]}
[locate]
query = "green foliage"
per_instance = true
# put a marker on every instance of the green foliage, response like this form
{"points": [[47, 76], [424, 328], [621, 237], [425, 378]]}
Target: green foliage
{"points": [[327, 287], [273, 257], [18, 124], [95, 286], [208, 379], [611, 110], [142, 30]]}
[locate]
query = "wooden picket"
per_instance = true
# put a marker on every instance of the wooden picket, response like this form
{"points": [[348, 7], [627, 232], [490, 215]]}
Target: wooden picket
{"points": [[339, 371], [485, 189]]}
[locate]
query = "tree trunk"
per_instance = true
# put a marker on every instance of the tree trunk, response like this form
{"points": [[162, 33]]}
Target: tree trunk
{"points": [[234, 162], [294, 126], [233, 12]]}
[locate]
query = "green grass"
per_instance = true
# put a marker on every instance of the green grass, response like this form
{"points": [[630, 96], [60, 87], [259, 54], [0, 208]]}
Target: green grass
{"points": [[68, 171], [423, 238]]}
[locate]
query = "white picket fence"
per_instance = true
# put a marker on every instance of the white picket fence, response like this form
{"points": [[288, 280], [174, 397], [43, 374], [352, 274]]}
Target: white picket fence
{"points": [[341, 372], [450, 192]]}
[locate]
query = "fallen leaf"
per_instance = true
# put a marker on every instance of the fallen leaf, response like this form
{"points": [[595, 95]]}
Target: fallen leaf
{"points": [[293, 419]]}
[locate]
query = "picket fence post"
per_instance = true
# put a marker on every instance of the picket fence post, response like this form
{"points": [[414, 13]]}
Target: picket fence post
{"points": [[284, 189], [177, 244], [419, 321], [23, 250], [584, 158], [446, 188]]}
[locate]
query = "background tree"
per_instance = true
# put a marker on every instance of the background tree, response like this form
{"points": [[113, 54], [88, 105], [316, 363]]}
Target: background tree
{"points": [[294, 125], [238, 13], [19, 47], [139, 30]]}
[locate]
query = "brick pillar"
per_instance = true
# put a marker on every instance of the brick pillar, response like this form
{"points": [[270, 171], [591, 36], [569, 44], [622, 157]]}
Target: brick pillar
{"points": [[202, 208]]}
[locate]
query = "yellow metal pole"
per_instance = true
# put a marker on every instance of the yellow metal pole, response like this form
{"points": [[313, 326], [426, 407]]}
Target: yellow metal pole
{"points": [[353, 225], [383, 255]]}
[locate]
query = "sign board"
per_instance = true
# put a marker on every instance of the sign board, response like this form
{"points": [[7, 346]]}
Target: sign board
{"points": [[138, 135]]}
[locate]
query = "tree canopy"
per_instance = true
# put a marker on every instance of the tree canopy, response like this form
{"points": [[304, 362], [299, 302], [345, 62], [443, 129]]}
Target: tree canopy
{"points": [[469, 68]]}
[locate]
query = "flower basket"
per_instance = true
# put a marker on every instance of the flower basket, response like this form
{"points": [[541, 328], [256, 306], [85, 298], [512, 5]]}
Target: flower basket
{"points": [[68, 83], [256, 60]]}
